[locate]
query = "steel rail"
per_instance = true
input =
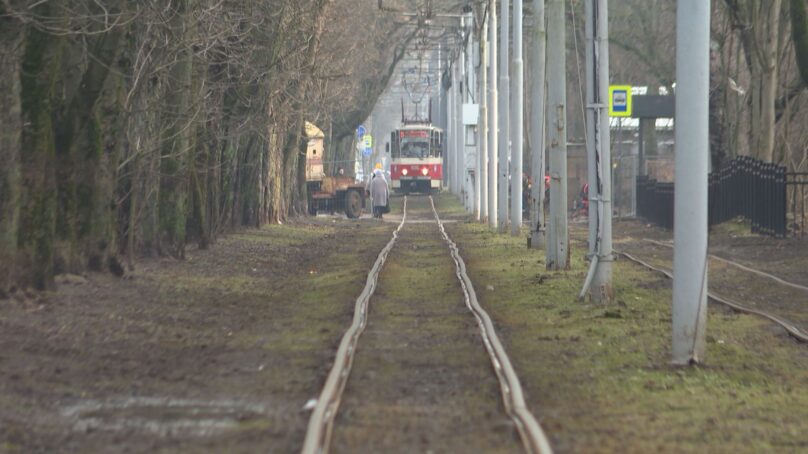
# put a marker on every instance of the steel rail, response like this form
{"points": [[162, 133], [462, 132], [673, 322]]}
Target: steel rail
{"points": [[738, 265], [321, 422], [531, 433], [790, 327]]}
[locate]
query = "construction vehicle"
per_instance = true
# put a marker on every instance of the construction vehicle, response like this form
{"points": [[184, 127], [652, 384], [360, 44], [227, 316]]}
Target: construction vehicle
{"points": [[330, 194]]}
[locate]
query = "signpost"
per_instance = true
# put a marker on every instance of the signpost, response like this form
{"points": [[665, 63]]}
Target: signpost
{"points": [[620, 100], [368, 141], [360, 131]]}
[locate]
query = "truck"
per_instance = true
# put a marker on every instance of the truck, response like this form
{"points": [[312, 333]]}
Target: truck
{"points": [[331, 194]]}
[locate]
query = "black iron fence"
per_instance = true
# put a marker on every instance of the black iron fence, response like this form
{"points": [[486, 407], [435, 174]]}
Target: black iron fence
{"points": [[797, 184], [744, 187]]}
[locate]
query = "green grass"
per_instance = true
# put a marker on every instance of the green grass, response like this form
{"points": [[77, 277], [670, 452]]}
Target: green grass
{"points": [[600, 378], [734, 227]]}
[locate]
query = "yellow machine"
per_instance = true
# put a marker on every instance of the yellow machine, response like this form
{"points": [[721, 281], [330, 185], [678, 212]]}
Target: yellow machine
{"points": [[327, 193]]}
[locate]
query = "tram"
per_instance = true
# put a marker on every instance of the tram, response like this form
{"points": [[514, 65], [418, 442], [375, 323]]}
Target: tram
{"points": [[416, 153]]}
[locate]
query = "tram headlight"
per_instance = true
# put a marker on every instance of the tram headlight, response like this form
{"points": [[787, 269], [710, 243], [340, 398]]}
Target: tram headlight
{"points": [[424, 171], [404, 172]]}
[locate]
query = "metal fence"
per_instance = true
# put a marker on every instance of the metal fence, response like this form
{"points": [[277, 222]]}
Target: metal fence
{"points": [[797, 184], [745, 187]]}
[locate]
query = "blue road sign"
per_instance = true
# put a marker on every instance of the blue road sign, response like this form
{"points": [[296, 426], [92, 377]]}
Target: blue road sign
{"points": [[367, 151], [360, 131]]}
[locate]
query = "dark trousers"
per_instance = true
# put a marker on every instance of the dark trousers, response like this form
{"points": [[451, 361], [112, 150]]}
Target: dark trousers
{"points": [[377, 211]]}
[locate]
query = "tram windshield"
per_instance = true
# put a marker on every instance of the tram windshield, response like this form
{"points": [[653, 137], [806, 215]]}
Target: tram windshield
{"points": [[415, 148], [416, 144]]}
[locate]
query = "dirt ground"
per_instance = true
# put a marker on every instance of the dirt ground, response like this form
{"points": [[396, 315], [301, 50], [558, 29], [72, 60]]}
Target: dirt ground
{"points": [[218, 353], [221, 352], [786, 258]]}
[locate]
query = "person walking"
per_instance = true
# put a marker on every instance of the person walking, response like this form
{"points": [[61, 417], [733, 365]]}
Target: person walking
{"points": [[379, 193]]}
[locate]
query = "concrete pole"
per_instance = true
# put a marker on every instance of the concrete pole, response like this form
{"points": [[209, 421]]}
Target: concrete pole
{"points": [[690, 193], [591, 126], [558, 252], [482, 129], [460, 165], [450, 132], [504, 116], [455, 132], [517, 151], [602, 290], [493, 119], [475, 88], [468, 164], [537, 125]]}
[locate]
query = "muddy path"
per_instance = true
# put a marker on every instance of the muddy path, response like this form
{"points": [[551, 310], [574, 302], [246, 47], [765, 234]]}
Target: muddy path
{"points": [[421, 380], [218, 353], [778, 257]]}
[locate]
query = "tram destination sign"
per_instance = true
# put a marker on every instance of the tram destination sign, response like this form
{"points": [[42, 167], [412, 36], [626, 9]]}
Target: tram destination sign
{"points": [[414, 133]]}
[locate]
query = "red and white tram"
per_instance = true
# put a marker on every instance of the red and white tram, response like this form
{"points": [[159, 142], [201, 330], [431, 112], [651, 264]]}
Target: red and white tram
{"points": [[416, 153]]}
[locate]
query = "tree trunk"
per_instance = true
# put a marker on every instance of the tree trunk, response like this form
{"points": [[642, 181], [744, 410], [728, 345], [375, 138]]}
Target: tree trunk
{"points": [[40, 66], [81, 137], [10, 128], [173, 199], [770, 60], [799, 34]]}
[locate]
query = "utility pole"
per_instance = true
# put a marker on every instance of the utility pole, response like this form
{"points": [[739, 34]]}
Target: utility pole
{"points": [[592, 110], [482, 130], [460, 166], [599, 276], [449, 137], [518, 121], [558, 235], [538, 122], [493, 119], [504, 116], [450, 126], [471, 84], [690, 190]]}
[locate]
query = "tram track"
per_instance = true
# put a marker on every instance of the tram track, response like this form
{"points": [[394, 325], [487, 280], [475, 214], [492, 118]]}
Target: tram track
{"points": [[740, 266], [533, 437], [321, 424], [791, 328]]}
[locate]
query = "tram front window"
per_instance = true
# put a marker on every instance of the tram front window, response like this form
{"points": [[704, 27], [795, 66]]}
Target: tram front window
{"points": [[415, 149]]}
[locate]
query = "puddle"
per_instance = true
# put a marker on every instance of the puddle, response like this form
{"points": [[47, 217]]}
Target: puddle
{"points": [[162, 415]]}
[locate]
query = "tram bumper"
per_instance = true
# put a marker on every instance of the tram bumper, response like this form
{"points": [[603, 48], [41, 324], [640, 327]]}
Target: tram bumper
{"points": [[415, 184]]}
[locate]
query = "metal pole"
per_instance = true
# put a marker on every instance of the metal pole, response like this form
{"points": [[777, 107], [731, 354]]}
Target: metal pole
{"points": [[537, 124], [690, 193], [602, 290], [493, 120], [460, 166], [518, 121], [468, 164], [617, 203], [441, 109], [558, 235], [475, 88], [641, 145], [504, 116], [482, 137], [591, 127], [455, 132], [450, 133]]}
